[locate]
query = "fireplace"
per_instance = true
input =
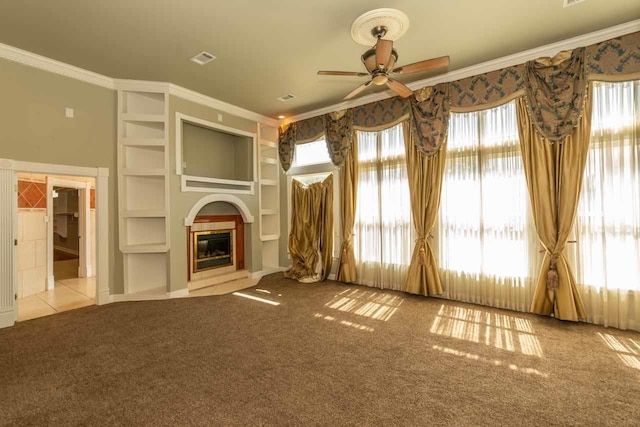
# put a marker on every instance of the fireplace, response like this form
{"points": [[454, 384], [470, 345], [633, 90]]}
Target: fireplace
{"points": [[215, 250], [212, 249]]}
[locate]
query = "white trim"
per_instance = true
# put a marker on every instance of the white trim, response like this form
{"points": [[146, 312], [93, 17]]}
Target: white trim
{"points": [[265, 272], [180, 293], [24, 57], [227, 198], [485, 67], [207, 101], [246, 187], [40, 62], [84, 252], [51, 65], [180, 118], [102, 211], [7, 318]]}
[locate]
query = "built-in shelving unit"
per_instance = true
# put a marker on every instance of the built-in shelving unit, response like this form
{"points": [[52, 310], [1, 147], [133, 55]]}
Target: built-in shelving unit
{"points": [[143, 187], [269, 182]]}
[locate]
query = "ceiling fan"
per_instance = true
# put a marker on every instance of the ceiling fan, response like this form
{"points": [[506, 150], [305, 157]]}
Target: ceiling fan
{"points": [[379, 62]]}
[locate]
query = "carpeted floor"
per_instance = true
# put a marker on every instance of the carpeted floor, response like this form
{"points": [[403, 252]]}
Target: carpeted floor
{"points": [[328, 354]]}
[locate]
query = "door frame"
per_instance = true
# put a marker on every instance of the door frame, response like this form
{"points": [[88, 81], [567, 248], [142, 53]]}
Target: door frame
{"points": [[84, 223], [8, 218]]}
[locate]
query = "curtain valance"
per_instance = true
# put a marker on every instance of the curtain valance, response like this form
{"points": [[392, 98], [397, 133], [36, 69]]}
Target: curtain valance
{"points": [[554, 88]]}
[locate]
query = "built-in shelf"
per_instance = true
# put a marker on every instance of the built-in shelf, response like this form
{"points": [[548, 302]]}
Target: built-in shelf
{"points": [[143, 214], [267, 143], [143, 188], [145, 249], [268, 237], [269, 160], [269, 202], [137, 117], [143, 142]]}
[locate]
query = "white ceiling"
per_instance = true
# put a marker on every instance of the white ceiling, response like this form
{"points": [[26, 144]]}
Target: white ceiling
{"points": [[266, 49]]}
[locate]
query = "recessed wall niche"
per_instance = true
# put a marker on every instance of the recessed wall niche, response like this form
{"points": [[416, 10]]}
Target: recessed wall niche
{"points": [[214, 158]]}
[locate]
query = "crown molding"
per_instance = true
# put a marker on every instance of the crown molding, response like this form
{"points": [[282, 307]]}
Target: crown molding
{"points": [[216, 104], [51, 65], [485, 67], [40, 62]]}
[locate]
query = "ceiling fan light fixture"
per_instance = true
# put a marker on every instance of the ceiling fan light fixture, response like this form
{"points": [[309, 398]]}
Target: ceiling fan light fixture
{"points": [[369, 59], [380, 79]]}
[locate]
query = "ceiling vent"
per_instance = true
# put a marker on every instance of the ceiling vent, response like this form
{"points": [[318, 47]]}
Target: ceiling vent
{"points": [[568, 3], [286, 98], [203, 58]]}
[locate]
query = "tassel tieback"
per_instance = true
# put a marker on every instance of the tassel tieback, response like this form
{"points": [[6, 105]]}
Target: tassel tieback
{"points": [[552, 275], [422, 252]]}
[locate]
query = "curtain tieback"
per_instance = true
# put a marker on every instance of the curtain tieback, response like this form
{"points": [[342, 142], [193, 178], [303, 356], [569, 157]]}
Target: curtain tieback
{"points": [[345, 246], [552, 275], [421, 241]]}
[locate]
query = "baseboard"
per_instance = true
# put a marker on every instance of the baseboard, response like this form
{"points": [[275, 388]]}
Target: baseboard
{"points": [[180, 293], [266, 271], [7, 319], [104, 297]]}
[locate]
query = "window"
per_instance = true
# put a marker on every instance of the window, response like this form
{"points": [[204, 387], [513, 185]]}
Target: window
{"points": [[382, 241], [311, 153], [487, 245], [607, 227]]}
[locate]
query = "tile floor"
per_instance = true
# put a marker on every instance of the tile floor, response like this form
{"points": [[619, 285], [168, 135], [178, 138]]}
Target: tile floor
{"points": [[67, 294]]}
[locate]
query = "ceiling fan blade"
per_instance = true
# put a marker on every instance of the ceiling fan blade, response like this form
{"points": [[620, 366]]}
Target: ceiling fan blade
{"points": [[399, 88], [383, 53], [342, 73], [429, 64], [357, 90]]}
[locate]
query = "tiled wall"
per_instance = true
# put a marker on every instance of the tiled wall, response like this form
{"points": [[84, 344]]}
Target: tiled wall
{"points": [[32, 194], [32, 251]]}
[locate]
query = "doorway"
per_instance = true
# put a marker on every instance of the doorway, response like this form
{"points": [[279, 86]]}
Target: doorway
{"points": [[56, 244]]}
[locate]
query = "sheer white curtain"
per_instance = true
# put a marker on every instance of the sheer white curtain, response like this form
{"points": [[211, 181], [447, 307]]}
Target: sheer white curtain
{"points": [[487, 245], [382, 231], [607, 253]]}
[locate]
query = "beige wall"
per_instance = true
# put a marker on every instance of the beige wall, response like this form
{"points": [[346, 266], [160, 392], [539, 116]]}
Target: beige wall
{"points": [[34, 128], [181, 203]]}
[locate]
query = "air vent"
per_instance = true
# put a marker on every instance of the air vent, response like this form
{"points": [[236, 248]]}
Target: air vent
{"points": [[203, 58], [286, 98], [568, 3]]}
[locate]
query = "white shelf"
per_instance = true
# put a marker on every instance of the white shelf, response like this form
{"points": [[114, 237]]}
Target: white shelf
{"points": [[269, 182], [269, 160], [272, 144], [143, 142], [143, 214], [137, 117], [143, 188], [269, 211], [269, 237], [145, 249]]}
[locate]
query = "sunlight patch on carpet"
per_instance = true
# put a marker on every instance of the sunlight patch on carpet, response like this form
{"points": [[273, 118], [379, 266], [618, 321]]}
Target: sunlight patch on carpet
{"points": [[251, 297], [494, 362], [344, 322], [627, 349], [375, 305], [498, 330]]}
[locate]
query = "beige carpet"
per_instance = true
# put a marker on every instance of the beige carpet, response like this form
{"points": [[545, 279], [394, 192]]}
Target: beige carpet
{"points": [[326, 354]]}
